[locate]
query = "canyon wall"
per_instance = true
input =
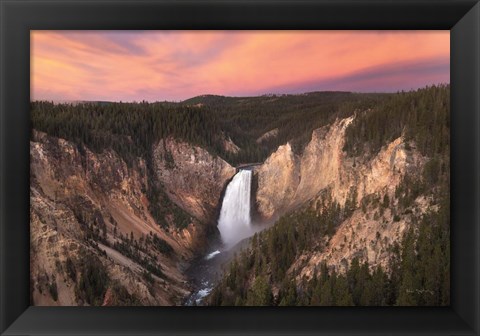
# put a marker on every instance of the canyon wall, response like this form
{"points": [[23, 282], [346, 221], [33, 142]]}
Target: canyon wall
{"points": [[287, 181], [89, 211], [192, 177]]}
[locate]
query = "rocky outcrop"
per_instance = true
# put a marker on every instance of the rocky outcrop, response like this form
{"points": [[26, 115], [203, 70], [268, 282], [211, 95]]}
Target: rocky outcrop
{"points": [[267, 136], [287, 180], [360, 236], [192, 177], [229, 146], [278, 180], [366, 234], [92, 206]]}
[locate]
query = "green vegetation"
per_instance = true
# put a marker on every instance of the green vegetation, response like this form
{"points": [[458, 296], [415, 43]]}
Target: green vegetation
{"points": [[93, 281], [139, 253], [160, 206], [260, 294], [418, 271], [70, 269], [273, 251], [130, 129], [245, 119], [417, 115], [121, 297], [52, 289], [91, 220], [161, 245], [264, 274]]}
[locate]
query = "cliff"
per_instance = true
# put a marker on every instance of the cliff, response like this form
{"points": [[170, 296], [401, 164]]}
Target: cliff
{"points": [[192, 177], [90, 214], [288, 181]]}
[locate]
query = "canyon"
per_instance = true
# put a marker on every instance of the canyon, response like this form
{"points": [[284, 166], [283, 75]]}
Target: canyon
{"points": [[66, 181], [287, 181], [82, 203], [154, 206]]}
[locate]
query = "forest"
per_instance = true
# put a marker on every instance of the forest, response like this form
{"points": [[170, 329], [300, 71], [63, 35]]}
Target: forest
{"points": [[131, 129], [420, 260], [417, 115], [246, 119], [418, 268]]}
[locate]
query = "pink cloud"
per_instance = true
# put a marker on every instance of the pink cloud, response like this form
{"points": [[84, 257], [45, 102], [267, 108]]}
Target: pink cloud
{"points": [[175, 65]]}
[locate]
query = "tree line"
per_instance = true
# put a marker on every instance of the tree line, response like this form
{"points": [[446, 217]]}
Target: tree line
{"points": [[421, 116], [418, 270], [131, 129]]}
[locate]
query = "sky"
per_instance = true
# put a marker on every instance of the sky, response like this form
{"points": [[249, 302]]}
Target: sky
{"points": [[177, 65]]}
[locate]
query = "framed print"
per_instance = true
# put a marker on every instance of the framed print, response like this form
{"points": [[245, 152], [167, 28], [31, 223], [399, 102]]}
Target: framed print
{"points": [[240, 167]]}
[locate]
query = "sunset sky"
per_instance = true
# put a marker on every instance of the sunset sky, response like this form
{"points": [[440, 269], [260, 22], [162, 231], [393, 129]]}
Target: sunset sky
{"points": [[176, 65]]}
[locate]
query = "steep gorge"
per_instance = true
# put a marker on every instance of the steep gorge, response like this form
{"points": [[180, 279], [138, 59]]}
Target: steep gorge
{"points": [[192, 177], [350, 227], [94, 206], [131, 197], [71, 182], [288, 181]]}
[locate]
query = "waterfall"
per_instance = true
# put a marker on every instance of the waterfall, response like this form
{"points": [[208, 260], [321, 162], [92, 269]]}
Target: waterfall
{"points": [[234, 222]]}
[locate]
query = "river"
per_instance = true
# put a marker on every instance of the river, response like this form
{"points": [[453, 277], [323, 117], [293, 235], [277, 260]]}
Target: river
{"points": [[234, 225]]}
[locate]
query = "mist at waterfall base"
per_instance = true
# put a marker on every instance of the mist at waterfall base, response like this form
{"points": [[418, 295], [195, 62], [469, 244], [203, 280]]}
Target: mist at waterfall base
{"points": [[234, 222], [234, 225]]}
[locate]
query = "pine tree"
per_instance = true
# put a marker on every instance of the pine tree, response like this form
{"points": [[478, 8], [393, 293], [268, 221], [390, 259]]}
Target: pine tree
{"points": [[260, 294]]}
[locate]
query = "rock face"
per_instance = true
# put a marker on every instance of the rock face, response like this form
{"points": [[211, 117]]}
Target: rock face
{"points": [[278, 180], [366, 235], [229, 145], [90, 206], [267, 136], [192, 177], [287, 181]]}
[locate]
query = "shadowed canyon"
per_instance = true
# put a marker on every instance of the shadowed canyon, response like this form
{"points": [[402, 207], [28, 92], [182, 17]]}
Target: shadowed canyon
{"points": [[271, 200]]}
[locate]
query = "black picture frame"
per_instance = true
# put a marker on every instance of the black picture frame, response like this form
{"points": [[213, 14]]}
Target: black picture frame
{"points": [[18, 17]]}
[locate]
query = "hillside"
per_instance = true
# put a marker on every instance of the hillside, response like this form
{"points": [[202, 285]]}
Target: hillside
{"points": [[294, 117], [354, 188], [361, 215]]}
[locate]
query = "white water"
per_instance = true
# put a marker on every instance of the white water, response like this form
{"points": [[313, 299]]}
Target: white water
{"points": [[235, 222], [234, 225], [212, 255]]}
